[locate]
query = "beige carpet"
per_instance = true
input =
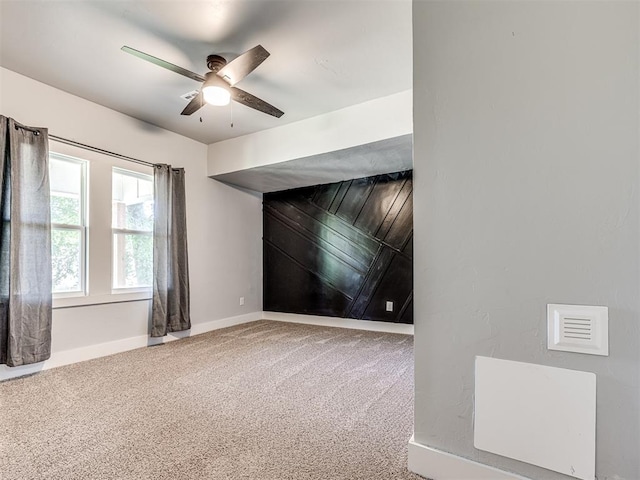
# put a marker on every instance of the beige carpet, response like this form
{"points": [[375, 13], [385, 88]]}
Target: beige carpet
{"points": [[264, 401]]}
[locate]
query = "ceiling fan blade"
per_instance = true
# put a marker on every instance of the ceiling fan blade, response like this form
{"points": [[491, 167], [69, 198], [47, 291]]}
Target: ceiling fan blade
{"points": [[163, 64], [249, 100], [243, 65], [194, 105]]}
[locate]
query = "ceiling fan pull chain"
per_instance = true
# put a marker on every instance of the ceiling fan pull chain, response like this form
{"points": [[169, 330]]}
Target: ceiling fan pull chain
{"points": [[231, 114]]}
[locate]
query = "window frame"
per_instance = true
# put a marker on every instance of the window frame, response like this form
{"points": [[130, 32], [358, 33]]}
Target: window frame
{"points": [[82, 227], [117, 290]]}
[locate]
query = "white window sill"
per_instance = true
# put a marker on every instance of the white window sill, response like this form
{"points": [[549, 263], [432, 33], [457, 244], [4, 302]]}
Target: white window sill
{"points": [[87, 300]]}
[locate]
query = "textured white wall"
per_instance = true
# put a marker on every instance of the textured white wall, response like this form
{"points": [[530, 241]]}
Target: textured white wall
{"points": [[225, 224], [527, 172]]}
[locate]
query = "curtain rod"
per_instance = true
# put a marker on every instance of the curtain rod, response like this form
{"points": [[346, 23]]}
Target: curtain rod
{"points": [[35, 131], [66, 141]]}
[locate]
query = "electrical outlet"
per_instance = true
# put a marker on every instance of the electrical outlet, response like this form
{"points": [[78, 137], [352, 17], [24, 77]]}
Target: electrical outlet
{"points": [[241, 301], [389, 306]]}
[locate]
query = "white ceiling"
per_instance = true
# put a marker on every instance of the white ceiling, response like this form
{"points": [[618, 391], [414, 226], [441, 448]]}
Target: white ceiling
{"points": [[325, 55]]}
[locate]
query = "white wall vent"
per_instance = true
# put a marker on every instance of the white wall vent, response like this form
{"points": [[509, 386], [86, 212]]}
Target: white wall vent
{"points": [[578, 328]]}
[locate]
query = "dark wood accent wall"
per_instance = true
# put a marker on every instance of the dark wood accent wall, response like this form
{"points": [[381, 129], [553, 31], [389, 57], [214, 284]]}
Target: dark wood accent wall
{"points": [[341, 249]]}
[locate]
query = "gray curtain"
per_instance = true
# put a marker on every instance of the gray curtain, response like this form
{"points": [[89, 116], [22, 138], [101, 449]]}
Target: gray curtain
{"points": [[170, 308], [25, 245]]}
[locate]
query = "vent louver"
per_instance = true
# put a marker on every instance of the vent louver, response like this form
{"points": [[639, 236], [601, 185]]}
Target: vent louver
{"points": [[578, 328]]}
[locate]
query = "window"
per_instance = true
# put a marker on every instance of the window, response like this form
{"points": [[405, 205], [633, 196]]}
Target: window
{"points": [[102, 221], [132, 229], [67, 177]]}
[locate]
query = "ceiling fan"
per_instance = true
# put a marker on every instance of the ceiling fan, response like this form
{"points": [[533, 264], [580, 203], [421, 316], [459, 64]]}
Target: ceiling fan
{"points": [[218, 83]]}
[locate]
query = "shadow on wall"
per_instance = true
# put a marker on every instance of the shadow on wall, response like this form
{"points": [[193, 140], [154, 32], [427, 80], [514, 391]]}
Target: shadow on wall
{"points": [[341, 249]]}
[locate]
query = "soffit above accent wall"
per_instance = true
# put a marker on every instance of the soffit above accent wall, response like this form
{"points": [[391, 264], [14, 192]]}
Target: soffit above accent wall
{"points": [[384, 156]]}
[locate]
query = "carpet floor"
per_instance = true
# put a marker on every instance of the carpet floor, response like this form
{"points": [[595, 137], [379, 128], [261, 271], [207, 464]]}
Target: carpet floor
{"points": [[265, 401]]}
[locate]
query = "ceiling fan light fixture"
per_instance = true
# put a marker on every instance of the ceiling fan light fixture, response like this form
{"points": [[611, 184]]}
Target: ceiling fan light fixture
{"points": [[215, 90], [215, 95]]}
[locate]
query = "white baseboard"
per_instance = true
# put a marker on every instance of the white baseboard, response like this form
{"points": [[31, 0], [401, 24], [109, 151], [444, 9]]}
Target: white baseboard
{"points": [[387, 327], [81, 354], [199, 328], [437, 465]]}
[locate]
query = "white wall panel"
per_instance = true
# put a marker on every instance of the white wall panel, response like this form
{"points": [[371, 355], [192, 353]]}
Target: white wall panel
{"points": [[541, 415]]}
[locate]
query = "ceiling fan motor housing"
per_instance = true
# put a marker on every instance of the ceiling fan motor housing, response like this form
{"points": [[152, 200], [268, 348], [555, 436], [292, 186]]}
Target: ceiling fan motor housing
{"points": [[215, 62]]}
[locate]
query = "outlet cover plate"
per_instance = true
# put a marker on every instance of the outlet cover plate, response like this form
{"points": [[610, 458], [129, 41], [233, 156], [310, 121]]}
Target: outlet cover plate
{"points": [[578, 329]]}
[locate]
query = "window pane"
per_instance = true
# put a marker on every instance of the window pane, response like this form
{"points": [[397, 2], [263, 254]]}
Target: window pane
{"points": [[132, 201], [65, 209], [66, 189], [133, 260], [66, 260]]}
